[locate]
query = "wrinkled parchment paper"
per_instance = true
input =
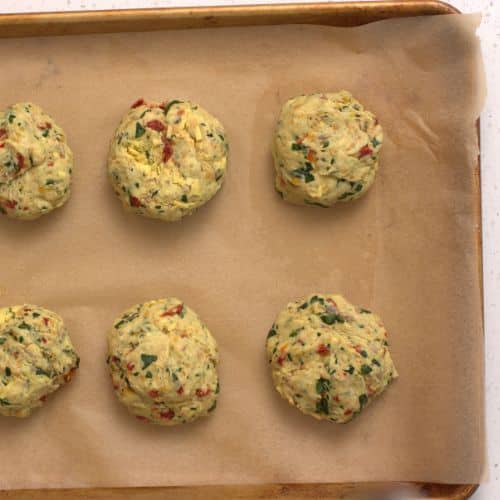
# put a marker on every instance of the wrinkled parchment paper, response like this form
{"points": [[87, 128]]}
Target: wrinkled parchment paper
{"points": [[407, 250]]}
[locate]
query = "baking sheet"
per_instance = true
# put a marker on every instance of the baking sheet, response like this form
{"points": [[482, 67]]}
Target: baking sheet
{"points": [[407, 250]]}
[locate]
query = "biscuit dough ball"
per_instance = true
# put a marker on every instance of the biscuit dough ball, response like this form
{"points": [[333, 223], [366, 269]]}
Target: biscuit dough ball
{"points": [[166, 160], [329, 358], [36, 358], [36, 162], [325, 149], [163, 362]]}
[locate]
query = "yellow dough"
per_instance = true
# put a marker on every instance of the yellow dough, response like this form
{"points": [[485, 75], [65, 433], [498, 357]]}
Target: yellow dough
{"points": [[325, 149], [35, 162], [329, 358], [163, 362], [166, 160], [36, 358]]}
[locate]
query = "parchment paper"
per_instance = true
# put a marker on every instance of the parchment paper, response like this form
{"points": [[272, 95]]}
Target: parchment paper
{"points": [[407, 250]]}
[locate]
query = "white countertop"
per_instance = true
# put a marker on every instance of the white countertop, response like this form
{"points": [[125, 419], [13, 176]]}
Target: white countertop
{"points": [[489, 33]]}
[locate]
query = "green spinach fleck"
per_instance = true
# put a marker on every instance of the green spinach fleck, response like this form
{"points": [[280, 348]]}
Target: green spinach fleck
{"points": [[298, 147], [139, 130], [41, 371], [147, 359], [322, 385], [330, 319], [315, 298], [349, 370], [322, 406], [304, 172], [169, 105], [272, 333], [365, 369]]}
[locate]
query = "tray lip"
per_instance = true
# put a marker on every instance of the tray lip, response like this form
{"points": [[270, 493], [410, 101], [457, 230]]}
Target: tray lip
{"points": [[109, 17]]}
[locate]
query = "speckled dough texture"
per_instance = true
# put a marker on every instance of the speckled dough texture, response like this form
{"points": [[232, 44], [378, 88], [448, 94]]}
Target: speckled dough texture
{"points": [[167, 159], [35, 162], [325, 149], [329, 358], [36, 358], [163, 362]]}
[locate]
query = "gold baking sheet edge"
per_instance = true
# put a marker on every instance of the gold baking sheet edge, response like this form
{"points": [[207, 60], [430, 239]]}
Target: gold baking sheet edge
{"points": [[331, 14]]}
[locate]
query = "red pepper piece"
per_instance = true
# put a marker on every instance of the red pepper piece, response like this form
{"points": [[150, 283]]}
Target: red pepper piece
{"points": [[44, 126], [336, 398], [202, 393], [138, 103], [281, 359], [322, 350], [3, 133], [311, 155], [10, 204], [347, 412], [168, 414], [153, 393], [46, 321], [43, 399], [20, 160], [44, 340], [130, 366], [173, 311], [2, 145], [135, 202], [167, 150], [180, 390], [364, 151], [156, 125]]}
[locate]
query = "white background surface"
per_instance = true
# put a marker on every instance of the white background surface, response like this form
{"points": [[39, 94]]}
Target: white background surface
{"points": [[489, 33]]}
